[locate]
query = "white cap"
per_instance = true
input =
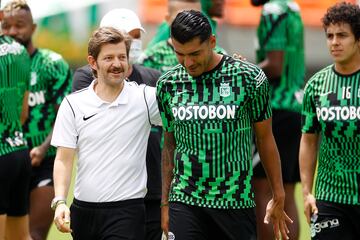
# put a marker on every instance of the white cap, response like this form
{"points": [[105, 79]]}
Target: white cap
{"points": [[122, 19]]}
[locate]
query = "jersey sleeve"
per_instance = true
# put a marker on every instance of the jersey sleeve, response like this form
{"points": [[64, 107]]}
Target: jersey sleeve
{"points": [[163, 98], [23, 68], [276, 31], [260, 103], [25, 71], [61, 77], [309, 120], [150, 95], [65, 133], [148, 59]]}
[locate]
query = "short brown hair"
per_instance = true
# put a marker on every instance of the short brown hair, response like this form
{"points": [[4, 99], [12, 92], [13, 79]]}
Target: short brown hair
{"points": [[106, 35]]}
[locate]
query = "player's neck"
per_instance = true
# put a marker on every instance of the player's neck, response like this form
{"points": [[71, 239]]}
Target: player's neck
{"points": [[348, 67], [30, 48], [215, 59], [106, 92]]}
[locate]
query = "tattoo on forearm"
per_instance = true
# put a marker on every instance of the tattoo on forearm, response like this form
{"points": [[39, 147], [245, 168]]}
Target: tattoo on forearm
{"points": [[167, 165]]}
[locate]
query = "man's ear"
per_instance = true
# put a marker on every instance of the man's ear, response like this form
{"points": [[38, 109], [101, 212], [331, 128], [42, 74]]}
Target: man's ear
{"points": [[92, 62], [33, 27], [167, 18], [212, 41]]}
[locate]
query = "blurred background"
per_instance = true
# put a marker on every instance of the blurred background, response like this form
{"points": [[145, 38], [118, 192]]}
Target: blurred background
{"points": [[65, 26]]}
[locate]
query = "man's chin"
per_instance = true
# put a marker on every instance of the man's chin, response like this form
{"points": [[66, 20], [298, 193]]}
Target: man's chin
{"points": [[24, 43]]}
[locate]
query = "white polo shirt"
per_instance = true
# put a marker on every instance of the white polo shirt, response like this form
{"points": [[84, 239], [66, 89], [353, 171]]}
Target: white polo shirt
{"points": [[110, 139]]}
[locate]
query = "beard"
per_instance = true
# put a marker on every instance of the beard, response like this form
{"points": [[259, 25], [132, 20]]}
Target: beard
{"points": [[24, 42]]}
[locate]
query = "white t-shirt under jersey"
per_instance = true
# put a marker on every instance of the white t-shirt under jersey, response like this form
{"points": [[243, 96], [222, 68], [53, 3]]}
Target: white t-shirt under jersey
{"points": [[110, 139]]}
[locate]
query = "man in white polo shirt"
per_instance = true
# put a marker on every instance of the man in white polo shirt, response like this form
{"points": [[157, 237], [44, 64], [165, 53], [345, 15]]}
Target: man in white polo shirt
{"points": [[107, 125]]}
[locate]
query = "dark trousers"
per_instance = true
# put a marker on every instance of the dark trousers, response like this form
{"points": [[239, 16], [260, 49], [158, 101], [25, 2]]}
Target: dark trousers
{"points": [[123, 220]]}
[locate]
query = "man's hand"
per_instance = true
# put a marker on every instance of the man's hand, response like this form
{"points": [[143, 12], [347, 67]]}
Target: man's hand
{"points": [[310, 207], [62, 218], [37, 155], [165, 219], [276, 214], [239, 57]]}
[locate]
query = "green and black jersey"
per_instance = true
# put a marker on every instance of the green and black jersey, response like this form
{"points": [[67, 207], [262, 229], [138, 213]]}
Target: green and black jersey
{"points": [[211, 117], [331, 108], [162, 56], [14, 81], [281, 29], [50, 82]]}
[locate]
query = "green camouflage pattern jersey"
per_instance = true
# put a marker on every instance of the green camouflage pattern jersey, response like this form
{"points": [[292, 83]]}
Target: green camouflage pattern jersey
{"points": [[50, 82], [281, 29], [331, 108], [162, 56], [211, 117], [14, 81]]}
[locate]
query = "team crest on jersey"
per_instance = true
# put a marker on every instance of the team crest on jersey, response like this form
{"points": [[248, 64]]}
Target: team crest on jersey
{"points": [[224, 89]]}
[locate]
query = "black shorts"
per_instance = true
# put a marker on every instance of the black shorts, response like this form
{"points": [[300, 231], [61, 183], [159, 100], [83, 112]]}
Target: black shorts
{"points": [[109, 220], [287, 133], [43, 175], [336, 221], [197, 223], [153, 219], [15, 172]]}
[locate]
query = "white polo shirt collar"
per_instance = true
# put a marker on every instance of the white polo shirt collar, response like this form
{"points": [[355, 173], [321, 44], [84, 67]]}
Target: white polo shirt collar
{"points": [[123, 97]]}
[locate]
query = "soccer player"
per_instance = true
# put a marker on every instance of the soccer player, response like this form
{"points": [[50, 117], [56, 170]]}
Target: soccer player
{"points": [[50, 82], [15, 167], [108, 126], [331, 117], [161, 56], [210, 104], [211, 8], [280, 54], [126, 20]]}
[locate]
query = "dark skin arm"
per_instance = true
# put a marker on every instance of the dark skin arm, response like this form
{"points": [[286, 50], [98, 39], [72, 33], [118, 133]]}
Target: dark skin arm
{"points": [[25, 108], [273, 64], [270, 159], [307, 158], [167, 166]]}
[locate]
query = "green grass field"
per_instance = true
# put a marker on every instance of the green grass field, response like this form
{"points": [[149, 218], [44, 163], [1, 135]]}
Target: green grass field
{"points": [[304, 228]]}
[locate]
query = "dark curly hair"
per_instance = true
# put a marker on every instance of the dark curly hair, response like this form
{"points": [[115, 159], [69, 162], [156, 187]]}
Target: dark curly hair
{"points": [[344, 13]]}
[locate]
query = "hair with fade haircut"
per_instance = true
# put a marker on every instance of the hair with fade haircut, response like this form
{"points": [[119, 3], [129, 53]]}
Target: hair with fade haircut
{"points": [[107, 35], [343, 13], [190, 24], [16, 5]]}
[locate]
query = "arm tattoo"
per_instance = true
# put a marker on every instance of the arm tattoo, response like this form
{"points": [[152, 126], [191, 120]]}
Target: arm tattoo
{"points": [[167, 165]]}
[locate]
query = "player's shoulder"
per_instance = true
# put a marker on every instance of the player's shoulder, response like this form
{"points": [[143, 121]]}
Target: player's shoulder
{"points": [[160, 45], [278, 7], [239, 66], [78, 94], [9, 46], [319, 77], [176, 72], [157, 49], [321, 74], [50, 55], [50, 61]]}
